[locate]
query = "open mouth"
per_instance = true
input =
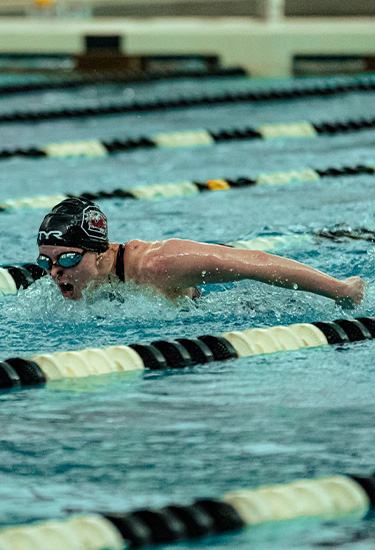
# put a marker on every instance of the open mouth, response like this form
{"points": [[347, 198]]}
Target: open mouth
{"points": [[67, 290]]}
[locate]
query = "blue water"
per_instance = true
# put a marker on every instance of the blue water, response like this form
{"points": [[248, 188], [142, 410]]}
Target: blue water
{"points": [[122, 442]]}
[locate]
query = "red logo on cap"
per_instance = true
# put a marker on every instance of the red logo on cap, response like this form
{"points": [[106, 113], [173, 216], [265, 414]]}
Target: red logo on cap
{"points": [[96, 222]]}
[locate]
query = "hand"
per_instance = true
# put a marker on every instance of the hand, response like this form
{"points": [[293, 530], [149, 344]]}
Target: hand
{"points": [[352, 293]]}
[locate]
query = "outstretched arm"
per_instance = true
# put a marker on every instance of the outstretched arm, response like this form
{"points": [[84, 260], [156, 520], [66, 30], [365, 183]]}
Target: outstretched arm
{"points": [[175, 264]]}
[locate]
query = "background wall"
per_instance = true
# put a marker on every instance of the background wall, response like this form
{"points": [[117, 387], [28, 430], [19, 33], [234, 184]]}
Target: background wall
{"points": [[246, 8]]}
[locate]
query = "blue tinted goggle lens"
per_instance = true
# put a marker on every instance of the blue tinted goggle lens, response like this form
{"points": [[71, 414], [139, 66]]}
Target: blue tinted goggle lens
{"points": [[66, 259]]}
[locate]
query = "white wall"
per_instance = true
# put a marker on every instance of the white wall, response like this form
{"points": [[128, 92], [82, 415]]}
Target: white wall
{"points": [[264, 49]]}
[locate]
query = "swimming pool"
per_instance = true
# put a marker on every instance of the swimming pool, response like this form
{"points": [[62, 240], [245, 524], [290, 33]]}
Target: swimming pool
{"points": [[121, 442]]}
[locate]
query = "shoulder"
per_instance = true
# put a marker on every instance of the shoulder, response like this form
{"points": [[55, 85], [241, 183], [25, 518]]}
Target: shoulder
{"points": [[152, 248], [136, 248], [139, 257], [145, 261]]}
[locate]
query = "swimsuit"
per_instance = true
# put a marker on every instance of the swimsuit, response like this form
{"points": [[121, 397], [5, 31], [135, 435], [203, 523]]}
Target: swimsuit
{"points": [[119, 265]]}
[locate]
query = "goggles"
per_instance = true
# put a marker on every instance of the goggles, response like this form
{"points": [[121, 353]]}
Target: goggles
{"points": [[66, 259]]}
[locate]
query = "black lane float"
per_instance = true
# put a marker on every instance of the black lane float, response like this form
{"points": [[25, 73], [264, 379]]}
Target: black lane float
{"points": [[187, 138], [188, 188], [328, 497], [360, 84], [181, 353]]}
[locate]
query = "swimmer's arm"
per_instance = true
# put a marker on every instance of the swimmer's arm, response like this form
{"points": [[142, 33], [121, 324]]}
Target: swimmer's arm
{"points": [[178, 264]]}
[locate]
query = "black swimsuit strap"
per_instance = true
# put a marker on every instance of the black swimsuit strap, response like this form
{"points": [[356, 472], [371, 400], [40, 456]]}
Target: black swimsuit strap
{"points": [[120, 267]]}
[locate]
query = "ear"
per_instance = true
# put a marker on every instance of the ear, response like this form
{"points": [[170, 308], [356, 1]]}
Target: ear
{"points": [[102, 256]]}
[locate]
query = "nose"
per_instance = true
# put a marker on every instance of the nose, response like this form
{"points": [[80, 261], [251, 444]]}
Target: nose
{"points": [[56, 271]]}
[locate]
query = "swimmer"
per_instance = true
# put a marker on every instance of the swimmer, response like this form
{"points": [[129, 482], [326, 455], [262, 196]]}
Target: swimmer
{"points": [[74, 249]]}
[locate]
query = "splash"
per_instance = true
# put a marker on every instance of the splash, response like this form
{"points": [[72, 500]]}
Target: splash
{"points": [[40, 320]]}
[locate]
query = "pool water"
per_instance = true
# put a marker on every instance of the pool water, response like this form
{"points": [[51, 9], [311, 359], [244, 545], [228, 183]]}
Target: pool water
{"points": [[121, 442]]}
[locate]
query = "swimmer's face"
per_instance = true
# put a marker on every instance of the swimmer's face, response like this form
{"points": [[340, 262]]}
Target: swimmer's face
{"points": [[72, 280]]}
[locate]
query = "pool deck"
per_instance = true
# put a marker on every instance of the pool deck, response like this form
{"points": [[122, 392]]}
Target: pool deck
{"points": [[263, 48]]}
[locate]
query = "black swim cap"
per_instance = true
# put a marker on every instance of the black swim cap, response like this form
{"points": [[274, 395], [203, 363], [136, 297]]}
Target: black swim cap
{"points": [[75, 222]]}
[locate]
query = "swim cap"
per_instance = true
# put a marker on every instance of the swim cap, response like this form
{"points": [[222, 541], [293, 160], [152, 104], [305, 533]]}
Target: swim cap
{"points": [[75, 222]]}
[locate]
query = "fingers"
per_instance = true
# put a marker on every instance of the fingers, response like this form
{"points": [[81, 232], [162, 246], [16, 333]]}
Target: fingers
{"points": [[354, 293]]}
